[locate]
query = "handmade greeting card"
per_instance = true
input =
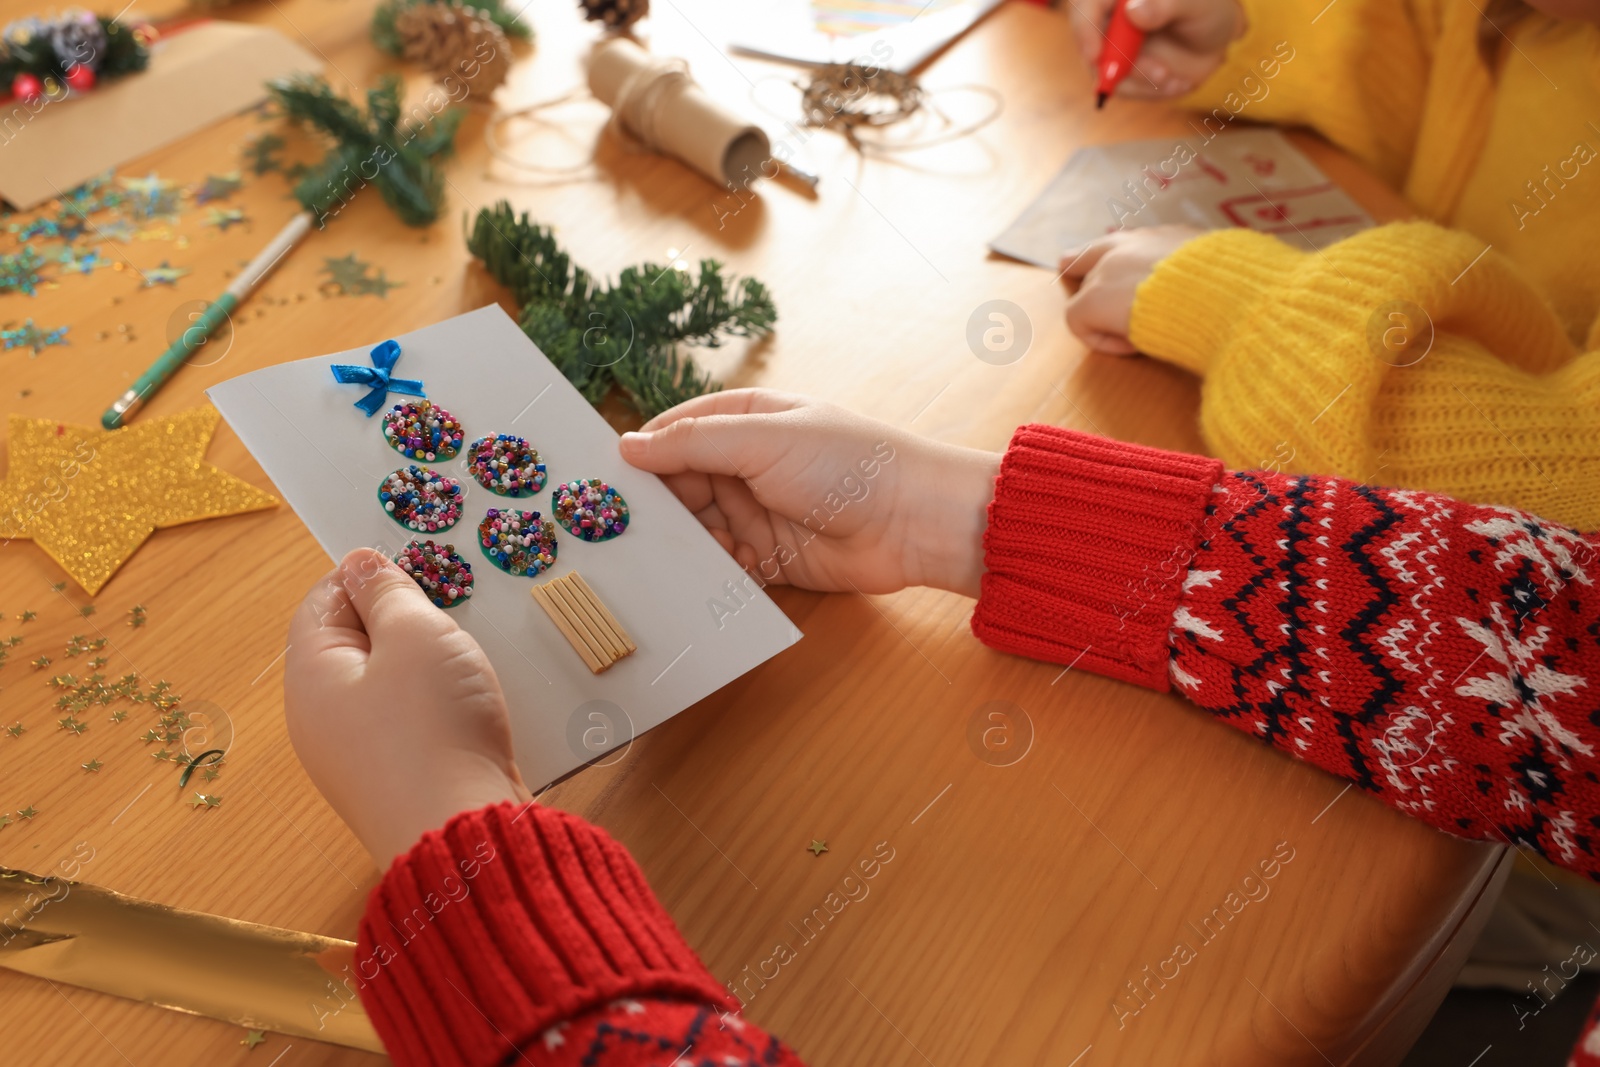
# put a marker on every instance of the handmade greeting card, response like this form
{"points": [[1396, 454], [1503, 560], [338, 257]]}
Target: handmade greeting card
{"points": [[1250, 178], [465, 455]]}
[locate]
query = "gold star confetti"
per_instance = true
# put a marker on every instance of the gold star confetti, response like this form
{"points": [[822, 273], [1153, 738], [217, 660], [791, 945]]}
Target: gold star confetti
{"points": [[150, 736], [119, 714], [205, 800], [818, 847], [210, 774], [86, 610], [16, 729], [28, 616], [92, 766], [58, 587], [13, 641], [253, 1038], [125, 485], [5, 820], [41, 663], [28, 812], [162, 755], [136, 616]]}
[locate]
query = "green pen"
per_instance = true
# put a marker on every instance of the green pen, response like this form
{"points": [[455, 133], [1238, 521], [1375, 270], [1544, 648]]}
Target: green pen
{"points": [[214, 315]]}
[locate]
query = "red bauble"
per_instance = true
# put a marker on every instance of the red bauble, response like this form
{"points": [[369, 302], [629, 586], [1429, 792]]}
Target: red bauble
{"points": [[27, 88], [81, 78]]}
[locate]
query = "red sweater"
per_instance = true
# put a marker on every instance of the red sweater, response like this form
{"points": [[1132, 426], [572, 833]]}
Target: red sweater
{"points": [[1434, 653]]}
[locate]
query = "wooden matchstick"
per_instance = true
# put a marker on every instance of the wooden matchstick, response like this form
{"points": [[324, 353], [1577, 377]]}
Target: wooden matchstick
{"points": [[584, 621]]}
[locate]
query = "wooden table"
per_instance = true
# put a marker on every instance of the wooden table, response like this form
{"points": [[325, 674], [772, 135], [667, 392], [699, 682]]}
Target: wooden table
{"points": [[1020, 899]]}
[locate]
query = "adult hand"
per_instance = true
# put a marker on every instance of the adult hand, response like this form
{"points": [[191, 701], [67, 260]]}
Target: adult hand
{"points": [[805, 493], [1103, 278], [393, 708]]}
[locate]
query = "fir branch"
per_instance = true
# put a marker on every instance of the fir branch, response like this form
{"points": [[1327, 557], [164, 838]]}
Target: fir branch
{"points": [[628, 336], [387, 37], [372, 147]]}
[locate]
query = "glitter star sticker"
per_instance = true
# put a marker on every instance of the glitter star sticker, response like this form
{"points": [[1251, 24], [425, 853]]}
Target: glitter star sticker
{"points": [[166, 274], [818, 847], [123, 486]]}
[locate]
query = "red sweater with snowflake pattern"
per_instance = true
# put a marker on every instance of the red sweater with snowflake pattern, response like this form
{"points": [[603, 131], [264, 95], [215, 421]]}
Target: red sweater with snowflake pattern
{"points": [[1436, 654]]}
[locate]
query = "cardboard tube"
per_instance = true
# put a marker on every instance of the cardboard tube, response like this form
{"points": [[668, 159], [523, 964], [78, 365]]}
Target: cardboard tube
{"points": [[657, 102]]}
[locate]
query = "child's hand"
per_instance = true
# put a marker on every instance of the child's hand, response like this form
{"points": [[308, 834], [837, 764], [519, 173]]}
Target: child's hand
{"points": [[812, 495], [393, 708], [1103, 277], [1187, 41]]}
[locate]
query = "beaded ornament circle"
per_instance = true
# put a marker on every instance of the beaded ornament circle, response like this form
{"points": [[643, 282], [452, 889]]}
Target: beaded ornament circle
{"points": [[590, 510], [439, 570]]}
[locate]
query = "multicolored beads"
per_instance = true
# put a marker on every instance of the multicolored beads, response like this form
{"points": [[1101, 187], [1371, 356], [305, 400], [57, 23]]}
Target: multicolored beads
{"points": [[517, 542], [422, 430], [442, 574], [421, 499], [591, 510], [506, 464]]}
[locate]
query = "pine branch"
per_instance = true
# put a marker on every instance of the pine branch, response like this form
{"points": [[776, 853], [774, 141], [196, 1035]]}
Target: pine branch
{"points": [[372, 147], [629, 335]]}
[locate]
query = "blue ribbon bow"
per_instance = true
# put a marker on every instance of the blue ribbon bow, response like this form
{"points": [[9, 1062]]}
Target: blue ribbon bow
{"points": [[379, 376]]}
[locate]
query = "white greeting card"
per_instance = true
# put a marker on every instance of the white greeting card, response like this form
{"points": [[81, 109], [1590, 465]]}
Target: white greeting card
{"points": [[1243, 178], [698, 620]]}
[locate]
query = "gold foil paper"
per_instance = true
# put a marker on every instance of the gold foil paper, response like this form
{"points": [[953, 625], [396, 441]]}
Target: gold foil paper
{"points": [[259, 977]]}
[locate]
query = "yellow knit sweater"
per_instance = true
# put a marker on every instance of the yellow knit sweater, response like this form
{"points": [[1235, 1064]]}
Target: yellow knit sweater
{"points": [[1460, 355]]}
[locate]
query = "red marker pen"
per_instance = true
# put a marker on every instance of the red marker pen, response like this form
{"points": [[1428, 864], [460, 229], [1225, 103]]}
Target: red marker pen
{"points": [[1123, 41]]}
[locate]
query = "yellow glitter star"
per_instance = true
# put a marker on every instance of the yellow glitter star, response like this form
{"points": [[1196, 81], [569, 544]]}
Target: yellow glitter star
{"points": [[90, 497]]}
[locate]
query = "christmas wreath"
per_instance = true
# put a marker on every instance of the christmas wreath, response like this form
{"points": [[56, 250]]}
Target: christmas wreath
{"points": [[46, 57]]}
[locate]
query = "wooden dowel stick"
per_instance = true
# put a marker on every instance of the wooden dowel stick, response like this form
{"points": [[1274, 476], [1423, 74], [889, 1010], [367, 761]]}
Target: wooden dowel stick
{"points": [[585, 609], [578, 643], [605, 612], [575, 615]]}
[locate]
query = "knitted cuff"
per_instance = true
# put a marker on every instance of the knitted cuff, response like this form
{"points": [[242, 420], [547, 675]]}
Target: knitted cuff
{"points": [[1086, 551], [1191, 303], [505, 922]]}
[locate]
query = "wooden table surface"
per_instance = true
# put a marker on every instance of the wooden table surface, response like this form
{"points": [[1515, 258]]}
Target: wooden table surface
{"points": [[1020, 897]]}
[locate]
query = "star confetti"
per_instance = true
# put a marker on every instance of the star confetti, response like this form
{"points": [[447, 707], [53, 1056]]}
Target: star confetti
{"points": [[253, 1038], [86, 610], [41, 663], [28, 616], [92, 766], [205, 800], [352, 277], [165, 274], [28, 812], [223, 218], [210, 774], [16, 729], [5, 820], [19, 271], [817, 848], [218, 187], [137, 616], [73, 263], [151, 197], [128, 483], [261, 154], [30, 336]]}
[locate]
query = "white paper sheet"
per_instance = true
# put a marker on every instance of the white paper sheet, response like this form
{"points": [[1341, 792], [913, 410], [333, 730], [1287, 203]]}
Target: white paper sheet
{"points": [[659, 578], [794, 31], [1244, 178]]}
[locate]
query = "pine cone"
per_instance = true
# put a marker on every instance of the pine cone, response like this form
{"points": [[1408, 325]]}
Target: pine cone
{"points": [[78, 39], [455, 42], [616, 14]]}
